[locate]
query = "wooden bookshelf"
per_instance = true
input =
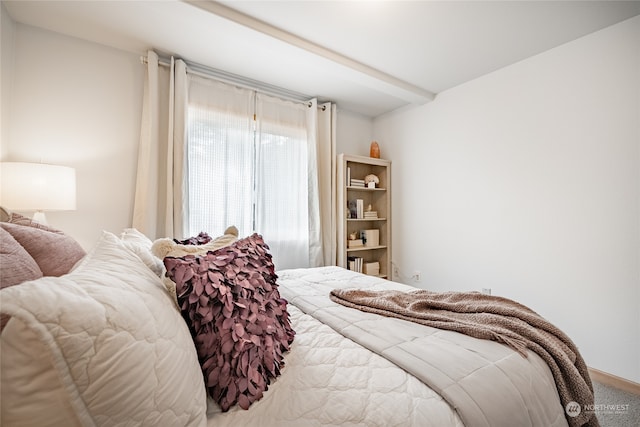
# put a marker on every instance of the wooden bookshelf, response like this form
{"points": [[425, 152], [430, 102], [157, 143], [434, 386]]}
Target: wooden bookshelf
{"points": [[351, 167]]}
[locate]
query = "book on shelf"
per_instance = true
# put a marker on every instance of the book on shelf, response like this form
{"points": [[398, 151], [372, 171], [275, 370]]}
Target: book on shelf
{"points": [[370, 237], [352, 207], [372, 268], [348, 175], [356, 182], [356, 210], [355, 243], [355, 264]]}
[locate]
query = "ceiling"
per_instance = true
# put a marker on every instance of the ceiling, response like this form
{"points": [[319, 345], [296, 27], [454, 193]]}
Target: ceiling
{"points": [[370, 57]]}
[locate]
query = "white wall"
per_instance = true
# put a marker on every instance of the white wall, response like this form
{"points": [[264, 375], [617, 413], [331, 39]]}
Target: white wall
{"points": [[78, 104], [527, 181], [354, 133], [6, 75]]}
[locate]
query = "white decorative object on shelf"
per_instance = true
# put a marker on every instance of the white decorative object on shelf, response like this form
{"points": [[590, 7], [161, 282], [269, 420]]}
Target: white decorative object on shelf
{"points": [[371, 180]]}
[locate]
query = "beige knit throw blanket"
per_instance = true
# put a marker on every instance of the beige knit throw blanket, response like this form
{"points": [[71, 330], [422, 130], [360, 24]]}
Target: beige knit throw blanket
{"points": [[492, 318]]}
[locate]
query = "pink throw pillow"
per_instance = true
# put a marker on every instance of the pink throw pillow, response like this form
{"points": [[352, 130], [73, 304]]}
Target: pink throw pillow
{"points": [[54, 252], [16, 266], [15, 218]]}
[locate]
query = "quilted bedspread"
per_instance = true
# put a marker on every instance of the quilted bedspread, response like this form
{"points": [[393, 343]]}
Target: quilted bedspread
{"points": [[488, 384], [328, 380]]}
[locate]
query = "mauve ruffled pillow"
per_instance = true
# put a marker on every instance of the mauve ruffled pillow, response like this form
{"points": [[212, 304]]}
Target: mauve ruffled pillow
{"points": [[200, 239], [240, 324]]}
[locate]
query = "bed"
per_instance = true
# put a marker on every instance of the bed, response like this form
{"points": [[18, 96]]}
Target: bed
{"points": [[107, 344]]}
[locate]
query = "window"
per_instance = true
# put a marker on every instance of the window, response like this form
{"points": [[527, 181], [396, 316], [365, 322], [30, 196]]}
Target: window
{"points": [[251, 173]]}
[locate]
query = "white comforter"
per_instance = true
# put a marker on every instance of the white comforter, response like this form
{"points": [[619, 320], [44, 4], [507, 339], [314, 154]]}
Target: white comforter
{"points": [[331, 381], [488, 383]]}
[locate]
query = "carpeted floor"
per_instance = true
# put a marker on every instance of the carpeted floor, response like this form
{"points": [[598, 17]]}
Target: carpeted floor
{"points": [[616, 408]]}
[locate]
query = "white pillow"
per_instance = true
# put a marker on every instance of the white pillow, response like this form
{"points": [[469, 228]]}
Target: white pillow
{"points": [[31, 392], [141, 246], [121, 352]]}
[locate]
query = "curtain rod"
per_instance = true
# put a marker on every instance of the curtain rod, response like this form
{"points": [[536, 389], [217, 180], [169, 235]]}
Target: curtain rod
{"points": [[234, 79]]}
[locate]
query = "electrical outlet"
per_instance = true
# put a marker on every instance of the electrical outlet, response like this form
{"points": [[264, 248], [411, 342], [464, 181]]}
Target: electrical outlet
{"points": [[486, 291], [396, 272], [416, 276]]}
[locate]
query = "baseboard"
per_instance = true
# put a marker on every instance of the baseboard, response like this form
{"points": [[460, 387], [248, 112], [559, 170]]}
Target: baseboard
{"points": [[614, 381]]}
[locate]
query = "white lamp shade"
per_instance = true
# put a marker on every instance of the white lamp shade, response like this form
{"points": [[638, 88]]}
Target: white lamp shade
{"points": [[37, 187]]}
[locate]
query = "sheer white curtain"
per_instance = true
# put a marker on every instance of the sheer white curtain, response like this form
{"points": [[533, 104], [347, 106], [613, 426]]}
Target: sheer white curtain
{"points": [[286, 205], [248, 165], [220, 157], [213, 155]]}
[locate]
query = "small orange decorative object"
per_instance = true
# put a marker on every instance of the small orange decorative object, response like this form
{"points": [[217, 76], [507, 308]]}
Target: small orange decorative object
{"points": [[374, 150]]}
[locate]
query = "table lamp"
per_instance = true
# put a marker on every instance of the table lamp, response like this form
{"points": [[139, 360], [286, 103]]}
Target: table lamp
{"points": [[37, 187]]}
